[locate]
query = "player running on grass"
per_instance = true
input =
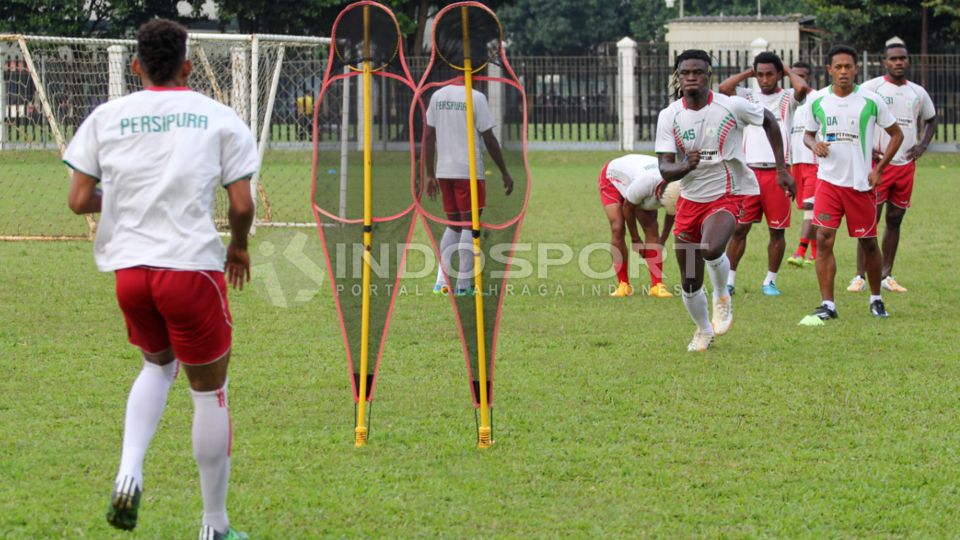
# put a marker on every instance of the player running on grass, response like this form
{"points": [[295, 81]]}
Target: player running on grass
{"points": [[772, 201], [804, 168], [699, 141], [840, 131], [446, 141], [631, 190], [160, 155], [912, 106]]}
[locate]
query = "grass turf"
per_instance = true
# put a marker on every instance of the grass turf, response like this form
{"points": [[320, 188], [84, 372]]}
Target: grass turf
{"points": [[605, 426]]}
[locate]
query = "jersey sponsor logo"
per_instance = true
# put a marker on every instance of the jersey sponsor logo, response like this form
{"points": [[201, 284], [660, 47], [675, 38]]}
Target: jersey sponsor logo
{"points": [[842, 137], [162, 123], [709, 156], [451, 105]]}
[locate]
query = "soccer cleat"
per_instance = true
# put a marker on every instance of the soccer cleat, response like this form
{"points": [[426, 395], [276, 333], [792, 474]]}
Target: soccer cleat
{"points": [[796, 260], [731, 289], [209, 533], [810, 262], [722, 315], [701, 341], [469, 291], [660, 291], [440, 290], [770, 289], [877, 309], [824, 313], [124, 503], [857, 284], [623, 290], [890, 284]]}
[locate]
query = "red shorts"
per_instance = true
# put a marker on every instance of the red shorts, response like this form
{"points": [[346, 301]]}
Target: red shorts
{"points": [[805, 176], [608, 193], [896, 185], [456, 195], [833, 202], [183, 309], [688, 223], [772, 202]]}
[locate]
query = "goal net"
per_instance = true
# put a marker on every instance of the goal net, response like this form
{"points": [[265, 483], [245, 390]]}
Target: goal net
{"points": [[48, 85]]}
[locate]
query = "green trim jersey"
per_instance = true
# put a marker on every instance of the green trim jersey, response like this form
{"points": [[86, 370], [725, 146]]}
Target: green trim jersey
{"points": [[716, 130], [160, 155], [910, 104], [799, 153], [447, 113], [782, 104], [636, 177], [848, 124]]}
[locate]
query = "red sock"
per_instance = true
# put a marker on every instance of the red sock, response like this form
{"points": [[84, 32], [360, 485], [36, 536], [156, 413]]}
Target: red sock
{"points": [[802, 248], [654, 265], [813, 249], [621, 268]]}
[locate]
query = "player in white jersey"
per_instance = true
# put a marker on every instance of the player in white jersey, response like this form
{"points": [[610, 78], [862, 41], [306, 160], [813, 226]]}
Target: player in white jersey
{"points": [[803, 166], [771, 201], [843, 121], [699, 142], [631, 191], [446, 141], [159, 156], [913, 109]]}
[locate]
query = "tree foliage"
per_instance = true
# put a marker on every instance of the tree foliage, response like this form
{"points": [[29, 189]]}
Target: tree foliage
{"points": [[564, 26], [107, 18]]}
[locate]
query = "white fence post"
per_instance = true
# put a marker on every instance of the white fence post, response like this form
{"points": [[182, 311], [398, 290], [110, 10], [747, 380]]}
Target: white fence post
{"points": [[495, 99], [757, 46], [626, 76], [116, 55]]}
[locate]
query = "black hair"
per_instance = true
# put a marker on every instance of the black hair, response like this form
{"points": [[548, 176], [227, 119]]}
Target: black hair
{"points": [[162, 49], [768, 57], [802, 65], [895, 45], [693, 54], [841, 49]]}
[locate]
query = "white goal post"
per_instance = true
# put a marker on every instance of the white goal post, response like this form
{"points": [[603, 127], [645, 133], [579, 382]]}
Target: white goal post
{"points": [[48, 85]]}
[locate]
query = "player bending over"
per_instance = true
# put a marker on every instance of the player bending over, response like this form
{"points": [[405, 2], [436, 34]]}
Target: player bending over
{"points": [[840, 131], [159, 156], [804, 168], [631, 190]]}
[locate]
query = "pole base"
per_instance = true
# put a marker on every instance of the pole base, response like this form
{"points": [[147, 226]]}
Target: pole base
{"points": [[360, 436], [483, 436]]}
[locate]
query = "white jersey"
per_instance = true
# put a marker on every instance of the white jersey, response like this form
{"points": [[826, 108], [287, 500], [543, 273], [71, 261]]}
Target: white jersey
{"points": [[160, 155], [799, 153], [636, 177], [909, 104], [848, 124], [716, 131], [447, 114], [755, 144]]}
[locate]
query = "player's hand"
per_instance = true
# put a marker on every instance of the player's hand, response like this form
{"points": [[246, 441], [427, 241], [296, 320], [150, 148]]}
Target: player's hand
{"points": [[786, 183], [821, 149], [507, 184], [874, 177], [238, 266], [916, 151], [877, 156], [692, 160], [432, 188]]}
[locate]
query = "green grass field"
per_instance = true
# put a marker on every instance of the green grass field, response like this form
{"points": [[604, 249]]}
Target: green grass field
{"points": [[605, 425]]}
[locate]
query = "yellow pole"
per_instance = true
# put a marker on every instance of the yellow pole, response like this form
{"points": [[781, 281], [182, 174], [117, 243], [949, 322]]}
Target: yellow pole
{"points": [[483, 434], [360, 433]]}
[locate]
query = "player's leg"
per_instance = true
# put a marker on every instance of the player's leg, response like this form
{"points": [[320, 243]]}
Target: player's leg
{"points": [[807, 238], [827, 215], [776, 248], [687, 227], [735, 250], [652, 252], [777, 211], [826, 264], [717, 230], [464, 285], [891, 240], [450, 238], [618, 249], [859, 282]]}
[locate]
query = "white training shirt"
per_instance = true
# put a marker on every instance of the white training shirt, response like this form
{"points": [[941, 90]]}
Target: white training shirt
{"points": [[636, 177], [160, 156], [799, 153], [909, 104], [716, 131], [447, 113], [755, 144]]}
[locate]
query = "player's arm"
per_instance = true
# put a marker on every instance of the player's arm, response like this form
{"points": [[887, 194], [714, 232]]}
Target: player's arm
{"points": [[429, 156], [84, 197], [896, 139], [240, 215], [929, 130], [800, 86], [729, 85], [671, 170], [493, 146], [772, 129], [819, 148], [667, 229], [629, 211]]}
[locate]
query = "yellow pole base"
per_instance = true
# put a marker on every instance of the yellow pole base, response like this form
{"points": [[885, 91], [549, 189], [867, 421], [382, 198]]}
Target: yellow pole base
{"points": [[360, 436], [484, 436]]}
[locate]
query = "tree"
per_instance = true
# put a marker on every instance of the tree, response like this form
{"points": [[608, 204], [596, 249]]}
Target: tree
{"points": [[867, 24], [564, 26], [101, 18]]}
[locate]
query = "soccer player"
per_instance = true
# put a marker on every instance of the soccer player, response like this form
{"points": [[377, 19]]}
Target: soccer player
{"points": [[159, 155], [699, 141], [804, 169], [771, 201], [630, 191], [446, 142], [912, 106], [840, 132]]}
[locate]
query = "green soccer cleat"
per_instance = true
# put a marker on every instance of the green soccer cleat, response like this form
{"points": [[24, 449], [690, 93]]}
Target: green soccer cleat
{"points": [[796, 261], [440, 290], [124, 503], [209, 533]]}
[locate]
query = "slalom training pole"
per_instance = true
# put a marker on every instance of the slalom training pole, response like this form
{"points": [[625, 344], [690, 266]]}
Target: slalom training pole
{"points": [[483, 432], [361, 431]]}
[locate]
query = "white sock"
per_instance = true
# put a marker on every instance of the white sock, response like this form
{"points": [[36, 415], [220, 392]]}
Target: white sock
{"points": [[732, 278], [830, 305], [696, 304], [148, 398], [874, 298], [719, 272], [771, 277], [212, 439], [465, 276], [448, 244]]}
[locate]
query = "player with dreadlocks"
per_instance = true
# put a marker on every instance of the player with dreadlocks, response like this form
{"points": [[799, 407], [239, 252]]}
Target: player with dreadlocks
{"points": [[700, 142]]}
